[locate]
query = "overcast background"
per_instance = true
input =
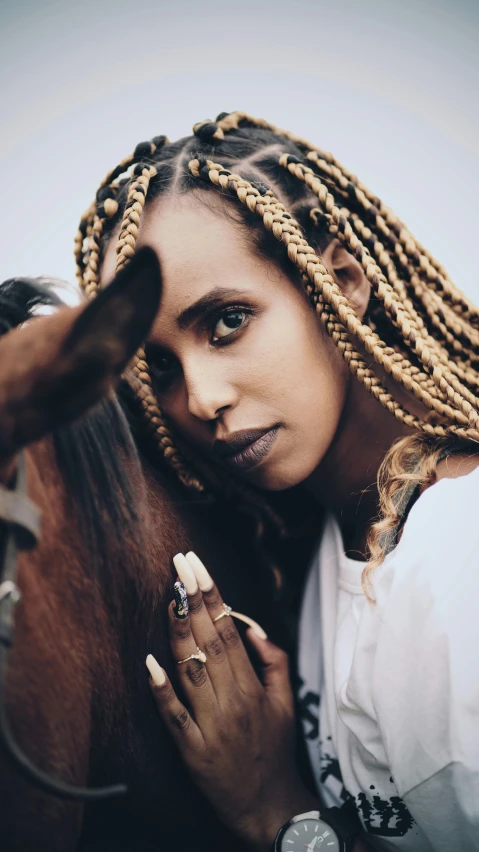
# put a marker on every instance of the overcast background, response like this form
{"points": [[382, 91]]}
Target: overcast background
{"points": [[389, 87]]}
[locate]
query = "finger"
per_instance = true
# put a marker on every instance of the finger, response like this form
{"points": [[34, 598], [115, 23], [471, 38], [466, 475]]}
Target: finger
{"points": [[192, 673], [213, 606], [207, 585], [274, 669], [181, 726], [204, 631]]}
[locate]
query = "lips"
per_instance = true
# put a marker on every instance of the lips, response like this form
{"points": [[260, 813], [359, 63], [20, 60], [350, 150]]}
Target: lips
{"points": [[244, 450]]}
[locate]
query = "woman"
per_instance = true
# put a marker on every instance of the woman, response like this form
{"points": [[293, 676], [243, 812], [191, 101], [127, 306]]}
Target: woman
{"points": [[304, 337]]}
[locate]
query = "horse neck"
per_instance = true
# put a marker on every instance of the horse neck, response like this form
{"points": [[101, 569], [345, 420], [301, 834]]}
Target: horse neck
{"points": [[71, 628], [129, 562], [117, 599]]}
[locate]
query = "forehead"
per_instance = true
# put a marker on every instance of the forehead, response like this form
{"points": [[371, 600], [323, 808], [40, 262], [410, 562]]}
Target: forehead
{"points": [[194, 237], [179, 228]]}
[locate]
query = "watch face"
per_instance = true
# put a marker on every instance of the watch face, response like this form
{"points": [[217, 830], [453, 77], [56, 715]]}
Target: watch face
{"points": [[310, 834]]}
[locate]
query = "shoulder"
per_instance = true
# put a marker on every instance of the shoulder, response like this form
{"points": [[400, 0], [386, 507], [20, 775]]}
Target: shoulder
{"points": [[445, 519], [434, 569], [426, 678], [457, 466]]}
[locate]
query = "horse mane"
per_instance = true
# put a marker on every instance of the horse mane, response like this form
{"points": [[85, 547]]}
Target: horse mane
{"points": [[96, 455]]}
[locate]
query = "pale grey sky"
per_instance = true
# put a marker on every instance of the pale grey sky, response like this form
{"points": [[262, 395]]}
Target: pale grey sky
{"points": [[390, 88]]}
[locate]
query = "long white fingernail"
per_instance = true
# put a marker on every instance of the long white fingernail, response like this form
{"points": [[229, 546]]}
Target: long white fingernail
{"points": [[259, 631], [204, 580], [185, 573], [255, 627], [157, 674]]}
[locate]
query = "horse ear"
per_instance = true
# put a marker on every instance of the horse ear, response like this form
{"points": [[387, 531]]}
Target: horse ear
{"points": [[111, 328], [56, 367]]}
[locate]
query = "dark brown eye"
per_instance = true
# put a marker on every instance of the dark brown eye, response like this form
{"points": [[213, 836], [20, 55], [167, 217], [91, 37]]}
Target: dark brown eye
{"points": [[164, 363], [229, 322], [162, 367]]}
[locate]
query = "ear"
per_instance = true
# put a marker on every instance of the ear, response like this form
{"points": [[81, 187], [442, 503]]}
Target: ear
{"points": [[348, 274], [56, 367]]}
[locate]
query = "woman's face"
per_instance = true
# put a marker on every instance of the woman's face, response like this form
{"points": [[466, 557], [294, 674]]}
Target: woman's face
{"points": [[237, 348]]}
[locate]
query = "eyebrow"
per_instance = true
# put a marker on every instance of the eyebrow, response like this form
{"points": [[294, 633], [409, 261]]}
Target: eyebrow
{"points": [[214, 299]]}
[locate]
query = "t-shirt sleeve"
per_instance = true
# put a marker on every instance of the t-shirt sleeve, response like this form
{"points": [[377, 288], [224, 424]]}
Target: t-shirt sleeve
{"points": [[446, 808], [425, 677]]}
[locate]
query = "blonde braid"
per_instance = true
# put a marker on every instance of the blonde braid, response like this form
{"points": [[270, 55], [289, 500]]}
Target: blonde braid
{"points": [[78, 249], [452, 333], [125, 249], [422, 344], [91, 228], [385, 220], [434, 309], [90, 284], [409, 252]]}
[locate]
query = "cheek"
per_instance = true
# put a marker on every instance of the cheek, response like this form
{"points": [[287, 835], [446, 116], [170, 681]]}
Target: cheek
{"points": [[308, 368], [311, 381], [291, 365], [174, 405]]}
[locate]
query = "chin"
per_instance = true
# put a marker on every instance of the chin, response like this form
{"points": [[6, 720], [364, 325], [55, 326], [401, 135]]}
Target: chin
{"points": [[279, 477]]}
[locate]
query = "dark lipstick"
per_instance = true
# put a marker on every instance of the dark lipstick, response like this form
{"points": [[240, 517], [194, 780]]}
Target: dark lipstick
{"points": [[244, 450]]}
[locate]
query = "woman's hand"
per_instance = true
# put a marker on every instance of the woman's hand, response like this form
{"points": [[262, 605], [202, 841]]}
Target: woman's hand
{"points": [[235, 733]]}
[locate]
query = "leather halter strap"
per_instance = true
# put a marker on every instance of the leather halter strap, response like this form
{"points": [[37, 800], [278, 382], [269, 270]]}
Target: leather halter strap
{"points": [[22, 520], [17, 510]]}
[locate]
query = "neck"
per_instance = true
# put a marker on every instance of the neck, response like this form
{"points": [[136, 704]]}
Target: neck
{"points": [[345, 481]]}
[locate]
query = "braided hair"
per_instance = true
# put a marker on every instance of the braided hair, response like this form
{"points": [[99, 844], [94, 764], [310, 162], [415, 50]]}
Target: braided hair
{"points": [[295, 198]]}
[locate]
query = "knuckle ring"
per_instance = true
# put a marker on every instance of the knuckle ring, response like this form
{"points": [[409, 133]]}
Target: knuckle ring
{"points": [[200, 656], [227, 610]]}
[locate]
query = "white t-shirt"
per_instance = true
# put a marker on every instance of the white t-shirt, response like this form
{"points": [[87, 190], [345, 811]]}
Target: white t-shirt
{"points": [[390, 690]]}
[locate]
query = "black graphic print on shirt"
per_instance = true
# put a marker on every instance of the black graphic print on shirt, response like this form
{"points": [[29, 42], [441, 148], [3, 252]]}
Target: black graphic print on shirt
{"points": [[330, 771], [308, 708], [383, 817]]}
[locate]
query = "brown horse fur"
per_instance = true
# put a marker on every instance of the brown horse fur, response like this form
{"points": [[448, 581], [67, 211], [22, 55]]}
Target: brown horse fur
{"points": [[78, 697]]}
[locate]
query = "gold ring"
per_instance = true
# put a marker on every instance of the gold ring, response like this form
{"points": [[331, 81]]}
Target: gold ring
{"points": [[200, 656], [239, 615], [226, 611]]}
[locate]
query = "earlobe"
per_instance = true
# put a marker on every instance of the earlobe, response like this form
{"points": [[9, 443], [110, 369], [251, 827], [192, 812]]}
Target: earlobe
{"points": [[349, 275]]}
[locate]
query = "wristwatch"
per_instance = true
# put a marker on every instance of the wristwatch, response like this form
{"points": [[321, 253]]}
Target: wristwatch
{"points": [[329, 830]]}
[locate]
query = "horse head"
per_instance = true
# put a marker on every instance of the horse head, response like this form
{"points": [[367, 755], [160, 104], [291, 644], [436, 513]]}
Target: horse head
{"points": [[54, 368]]}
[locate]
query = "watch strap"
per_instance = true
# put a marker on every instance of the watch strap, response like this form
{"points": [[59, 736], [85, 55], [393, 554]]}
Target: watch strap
{"points": [[344, 820]]}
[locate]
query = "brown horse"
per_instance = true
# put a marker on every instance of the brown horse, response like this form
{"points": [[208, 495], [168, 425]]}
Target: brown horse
{"points": [[94, 590]]}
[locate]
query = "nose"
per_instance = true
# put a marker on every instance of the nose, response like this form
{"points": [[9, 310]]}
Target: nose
{"points": [[209, 394]]}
